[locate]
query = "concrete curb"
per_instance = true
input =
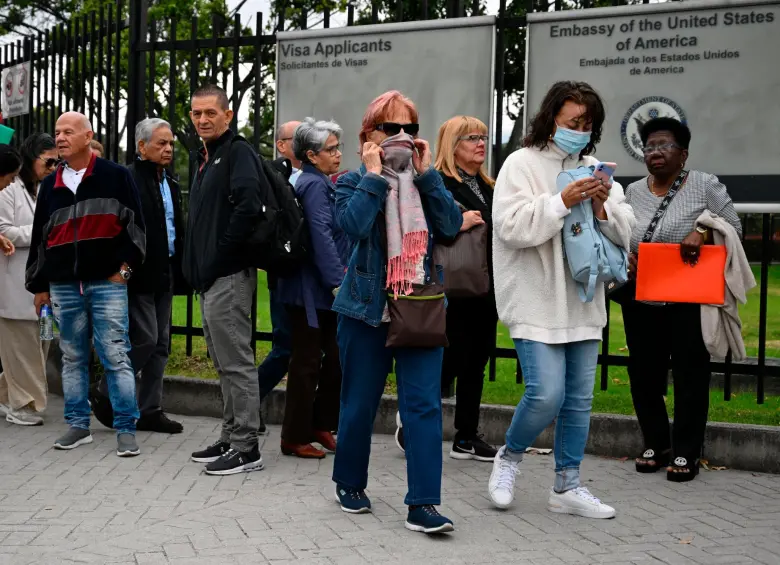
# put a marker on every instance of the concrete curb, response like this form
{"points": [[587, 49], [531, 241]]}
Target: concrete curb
{"points": [[737, 446]]}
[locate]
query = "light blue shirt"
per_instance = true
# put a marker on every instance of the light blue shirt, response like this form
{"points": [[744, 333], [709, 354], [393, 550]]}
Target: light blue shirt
{"points": [[294, 176], [169, 217]]}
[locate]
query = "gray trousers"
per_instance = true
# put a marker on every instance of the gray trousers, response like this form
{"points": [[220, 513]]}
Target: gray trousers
{"points": [[227, 325], [150, 318]]}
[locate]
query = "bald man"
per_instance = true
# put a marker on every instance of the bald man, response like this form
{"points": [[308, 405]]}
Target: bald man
{"points": [[87, 236], [284, 146]]}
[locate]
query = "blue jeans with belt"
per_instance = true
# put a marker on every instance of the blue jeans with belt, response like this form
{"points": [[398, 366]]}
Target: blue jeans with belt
{"points": [[365, 364], [105, 304], [558, 386]]}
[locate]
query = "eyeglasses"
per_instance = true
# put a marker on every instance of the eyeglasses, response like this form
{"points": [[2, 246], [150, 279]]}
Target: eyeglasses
{"points": [[333, 149], [474, 138], [51, 162], [662, 148], [392, 128]]}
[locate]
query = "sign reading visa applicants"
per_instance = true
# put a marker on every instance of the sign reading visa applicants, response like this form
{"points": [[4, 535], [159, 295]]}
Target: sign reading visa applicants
{"points": [[16, 90], [444, 66], [711, 64]]}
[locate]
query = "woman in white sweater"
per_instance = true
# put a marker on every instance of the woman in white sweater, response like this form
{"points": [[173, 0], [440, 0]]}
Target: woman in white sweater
{"points": [[556, 335], [23, 381]]}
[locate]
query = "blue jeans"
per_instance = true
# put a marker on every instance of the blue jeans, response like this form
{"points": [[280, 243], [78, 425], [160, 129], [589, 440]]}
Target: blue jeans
{"points": [[274, 367], [365, 364], [558, 385], [105, 304]]}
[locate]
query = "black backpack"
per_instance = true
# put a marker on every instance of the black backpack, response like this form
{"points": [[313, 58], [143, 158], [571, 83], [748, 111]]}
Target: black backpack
{"points": [[280, 240]]}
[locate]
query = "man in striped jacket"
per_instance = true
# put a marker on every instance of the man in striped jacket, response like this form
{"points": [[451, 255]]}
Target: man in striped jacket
{"points": [[88, 235]]}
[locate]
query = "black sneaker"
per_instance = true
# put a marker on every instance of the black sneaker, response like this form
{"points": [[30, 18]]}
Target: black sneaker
{"points": [[475, 448], [426, 519], [211, 453], [158, 422], [233, 462], [352, 500]]}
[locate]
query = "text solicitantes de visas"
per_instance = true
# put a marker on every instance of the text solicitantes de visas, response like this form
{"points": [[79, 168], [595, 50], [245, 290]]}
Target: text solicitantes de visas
{"points": [[334, 51], [645, 38]]}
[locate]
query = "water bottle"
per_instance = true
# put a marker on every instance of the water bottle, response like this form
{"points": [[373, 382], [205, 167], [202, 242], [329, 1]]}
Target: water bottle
{"points": [[46, 323]]}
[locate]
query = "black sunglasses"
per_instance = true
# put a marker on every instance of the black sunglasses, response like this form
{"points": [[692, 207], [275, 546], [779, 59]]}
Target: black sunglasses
{"points": [[50, 163], [391, 128]]}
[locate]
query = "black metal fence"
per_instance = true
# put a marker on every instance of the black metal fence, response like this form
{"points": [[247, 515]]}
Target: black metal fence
{"points": [[119, 65]]}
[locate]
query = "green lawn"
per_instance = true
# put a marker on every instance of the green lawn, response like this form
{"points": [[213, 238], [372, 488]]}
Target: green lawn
{"points": [[616, 400]]}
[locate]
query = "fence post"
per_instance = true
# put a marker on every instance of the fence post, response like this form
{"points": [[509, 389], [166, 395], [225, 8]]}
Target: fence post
{"points": [[136, 74]]}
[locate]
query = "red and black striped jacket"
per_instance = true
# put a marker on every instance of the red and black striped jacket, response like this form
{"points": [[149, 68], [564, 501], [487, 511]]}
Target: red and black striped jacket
{"points": [[86, 236]]}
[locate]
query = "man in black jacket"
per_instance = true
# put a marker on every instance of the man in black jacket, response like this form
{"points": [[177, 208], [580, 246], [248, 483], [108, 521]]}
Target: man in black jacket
{"points": [[152, 287], [87, 237], [224, 207]]}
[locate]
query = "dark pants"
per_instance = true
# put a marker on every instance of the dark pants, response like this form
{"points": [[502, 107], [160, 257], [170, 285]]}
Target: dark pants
{"points": [[150, 318], [366, 362], [314, 380], [471, 331], [274, 367], [659, 337]]}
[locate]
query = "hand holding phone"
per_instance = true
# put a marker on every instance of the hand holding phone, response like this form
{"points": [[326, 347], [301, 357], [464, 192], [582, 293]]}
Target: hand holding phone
{"points": [[605, 171]]}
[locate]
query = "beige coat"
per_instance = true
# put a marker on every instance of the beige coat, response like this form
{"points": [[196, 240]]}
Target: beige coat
{"points": [[17, 209], [721, 327]]}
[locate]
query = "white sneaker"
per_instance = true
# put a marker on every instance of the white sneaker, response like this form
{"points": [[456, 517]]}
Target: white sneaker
{"points": [[4, 410], [502, 480], [24, 417], [580, 502]]}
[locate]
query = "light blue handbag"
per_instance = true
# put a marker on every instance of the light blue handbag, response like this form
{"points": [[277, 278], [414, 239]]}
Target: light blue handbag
{"points": [[591, 256]]}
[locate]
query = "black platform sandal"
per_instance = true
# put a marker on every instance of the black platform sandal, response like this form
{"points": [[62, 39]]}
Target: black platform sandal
{"points": [[659, 460], [682, 471]]}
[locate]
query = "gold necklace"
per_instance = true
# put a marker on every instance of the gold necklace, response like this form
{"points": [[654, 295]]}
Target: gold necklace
{"points": [[652, 186]]}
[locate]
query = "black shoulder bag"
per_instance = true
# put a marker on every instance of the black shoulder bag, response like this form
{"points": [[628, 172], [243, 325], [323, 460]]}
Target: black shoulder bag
{"points": [[623, 293]]}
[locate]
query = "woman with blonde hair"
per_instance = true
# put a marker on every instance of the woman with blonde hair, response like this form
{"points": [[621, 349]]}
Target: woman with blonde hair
{"points": [[461, 152]]}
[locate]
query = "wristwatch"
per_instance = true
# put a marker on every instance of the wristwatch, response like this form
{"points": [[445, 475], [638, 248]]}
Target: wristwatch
{"points": [[701, 230], [125, 272]]}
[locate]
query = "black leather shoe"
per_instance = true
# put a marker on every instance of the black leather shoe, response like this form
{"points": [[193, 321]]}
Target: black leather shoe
{"points": [[158, 422]]}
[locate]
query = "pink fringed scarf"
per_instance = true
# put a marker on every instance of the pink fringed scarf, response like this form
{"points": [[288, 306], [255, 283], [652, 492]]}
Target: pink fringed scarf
{"points": [[407, 230]]}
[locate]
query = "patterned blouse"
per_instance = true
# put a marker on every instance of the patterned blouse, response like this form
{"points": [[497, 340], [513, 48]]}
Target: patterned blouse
{"points": [[472, 182], [701, 191]]}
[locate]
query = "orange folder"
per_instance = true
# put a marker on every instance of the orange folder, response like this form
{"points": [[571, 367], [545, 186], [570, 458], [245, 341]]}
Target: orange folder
{"points": [[663, 277]]}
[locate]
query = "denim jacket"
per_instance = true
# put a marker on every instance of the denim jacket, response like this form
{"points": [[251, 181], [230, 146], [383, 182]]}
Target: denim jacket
{"points": [[360, 198]]}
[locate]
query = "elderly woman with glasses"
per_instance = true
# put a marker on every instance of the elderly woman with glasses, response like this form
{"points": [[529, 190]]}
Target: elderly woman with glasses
{"points": [[652, 349], [314, 377], [23, 382], [393, 208]]}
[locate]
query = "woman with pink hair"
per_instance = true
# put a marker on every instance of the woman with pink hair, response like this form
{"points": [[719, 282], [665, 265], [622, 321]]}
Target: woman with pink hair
{"points": [[392, 208]]}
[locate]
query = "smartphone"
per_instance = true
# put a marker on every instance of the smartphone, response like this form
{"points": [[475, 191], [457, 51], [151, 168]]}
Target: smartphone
{"points": [[605, 171]]}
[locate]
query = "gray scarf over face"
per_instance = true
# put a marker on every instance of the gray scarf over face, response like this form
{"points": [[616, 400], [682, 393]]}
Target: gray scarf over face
{"points": [[407, 229]]}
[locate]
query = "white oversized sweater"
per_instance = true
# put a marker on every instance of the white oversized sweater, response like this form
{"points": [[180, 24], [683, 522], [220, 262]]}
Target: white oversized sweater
{"points": [[535, 293]]}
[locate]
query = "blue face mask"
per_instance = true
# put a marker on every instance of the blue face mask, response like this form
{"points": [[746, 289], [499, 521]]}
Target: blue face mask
{"points": [[571, 141]]}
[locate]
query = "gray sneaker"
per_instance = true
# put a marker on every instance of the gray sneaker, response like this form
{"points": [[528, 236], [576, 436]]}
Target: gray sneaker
{"points": [[24, 417], [126, 446], [73, 438], [4, 410]]}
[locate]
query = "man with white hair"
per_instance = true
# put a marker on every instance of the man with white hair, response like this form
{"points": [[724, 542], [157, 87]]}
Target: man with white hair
{"points": [[152, 286], [87, 238]]}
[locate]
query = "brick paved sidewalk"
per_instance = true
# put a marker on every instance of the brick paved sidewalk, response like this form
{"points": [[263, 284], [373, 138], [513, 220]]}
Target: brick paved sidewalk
{"points": [[89, 506]]}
